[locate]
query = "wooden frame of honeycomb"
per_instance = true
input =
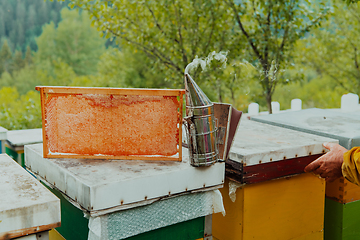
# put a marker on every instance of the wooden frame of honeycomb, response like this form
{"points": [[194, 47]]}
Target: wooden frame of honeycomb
{"points": [[112, 123]]}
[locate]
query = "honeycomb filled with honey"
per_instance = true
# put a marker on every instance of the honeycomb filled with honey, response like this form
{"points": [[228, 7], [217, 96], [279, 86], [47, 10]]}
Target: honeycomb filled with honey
{"points": [[111, 125]]}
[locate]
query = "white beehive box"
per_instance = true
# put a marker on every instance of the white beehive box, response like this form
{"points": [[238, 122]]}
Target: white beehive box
{"points": [[26, 206], [18, 138], [257, 143], [112, 184], [262, 152]]}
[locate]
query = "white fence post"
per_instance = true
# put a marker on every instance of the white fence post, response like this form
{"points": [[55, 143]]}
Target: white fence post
{"points": [[275, 107], [296, 104], [349, 102], [253, 109]]}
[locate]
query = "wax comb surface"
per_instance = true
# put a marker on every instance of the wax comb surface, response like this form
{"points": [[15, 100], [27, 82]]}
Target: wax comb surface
{"points": [[112, 123]]}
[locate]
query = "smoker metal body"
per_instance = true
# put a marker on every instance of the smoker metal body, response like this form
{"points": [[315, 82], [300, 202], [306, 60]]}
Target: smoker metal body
{"points": [[202, 135], [201, 125]]}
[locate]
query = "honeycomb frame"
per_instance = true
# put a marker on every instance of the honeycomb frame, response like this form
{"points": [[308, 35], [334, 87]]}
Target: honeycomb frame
{"points": [[81, 93]]}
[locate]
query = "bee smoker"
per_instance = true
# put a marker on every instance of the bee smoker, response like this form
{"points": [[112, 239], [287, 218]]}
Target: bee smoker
{"points": [[201, 125]]}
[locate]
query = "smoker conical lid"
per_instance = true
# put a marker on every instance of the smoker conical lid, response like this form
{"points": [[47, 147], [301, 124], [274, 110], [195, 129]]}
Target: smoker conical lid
{"points": [[195, 97]]}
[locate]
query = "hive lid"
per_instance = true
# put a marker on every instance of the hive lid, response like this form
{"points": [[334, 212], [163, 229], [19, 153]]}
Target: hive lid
{"points": [[27, 207], [106, 184], [3, 133], [262, 152], [323, 122], [258, 143], [22, 137]]}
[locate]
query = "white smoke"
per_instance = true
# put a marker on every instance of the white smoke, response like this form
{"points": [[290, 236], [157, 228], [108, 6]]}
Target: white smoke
{"points": [[204, 62]]}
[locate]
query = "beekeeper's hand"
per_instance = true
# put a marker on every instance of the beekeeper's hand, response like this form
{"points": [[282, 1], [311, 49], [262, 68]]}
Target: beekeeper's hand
{"points": [[328, 166]]}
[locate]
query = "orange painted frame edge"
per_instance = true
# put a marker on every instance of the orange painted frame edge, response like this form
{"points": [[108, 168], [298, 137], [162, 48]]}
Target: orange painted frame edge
{"points": [[123, 91]]}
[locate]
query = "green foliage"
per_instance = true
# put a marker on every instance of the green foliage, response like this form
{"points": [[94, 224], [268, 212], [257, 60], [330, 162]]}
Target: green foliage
{"points": [[28, 56], [54, 72], [74, 41], [5, 58], [172, 33], [19, 112], [333, 50], [351, 1], [21, 21], [238, 78], [125, 68], [17, 62], [6, 80], [25, 79], [271, 29], [319, 93]]}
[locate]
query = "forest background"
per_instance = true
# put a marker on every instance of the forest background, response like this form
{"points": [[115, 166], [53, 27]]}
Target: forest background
{"points": [[48, 43]]}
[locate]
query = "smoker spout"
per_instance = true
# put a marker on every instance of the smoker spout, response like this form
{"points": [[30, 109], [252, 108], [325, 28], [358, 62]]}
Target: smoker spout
{"points": [[195, 97]]}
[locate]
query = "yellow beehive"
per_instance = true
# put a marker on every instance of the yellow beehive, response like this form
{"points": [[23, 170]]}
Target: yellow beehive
{"points": [[281, 209], [342, 191]]}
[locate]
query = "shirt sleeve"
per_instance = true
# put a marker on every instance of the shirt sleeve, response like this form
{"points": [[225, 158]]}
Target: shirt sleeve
{"points": [[351, 165]]}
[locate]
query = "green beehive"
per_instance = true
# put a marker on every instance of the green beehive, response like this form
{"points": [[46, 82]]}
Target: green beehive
{"points": [[17, 139]]}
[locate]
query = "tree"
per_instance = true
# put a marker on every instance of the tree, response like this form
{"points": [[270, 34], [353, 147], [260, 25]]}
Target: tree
{"points": [[2, 23], [20, 35], [6, 80], [175, 32], [43, 13], [17, 62], [20, 13], [5, 58], [271, 29], [8, 12], [319, 92], [46, 43], [125, 68], [28, 56], [238, 74], [21, 21], [172, 33], [31, 17], [74, 42], [26, 79], [333, 51], [53, 73]]}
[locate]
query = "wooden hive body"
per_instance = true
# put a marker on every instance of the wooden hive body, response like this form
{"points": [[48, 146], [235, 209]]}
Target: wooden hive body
{"points": [[342, 220], [342, 191], [288, 208]]}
